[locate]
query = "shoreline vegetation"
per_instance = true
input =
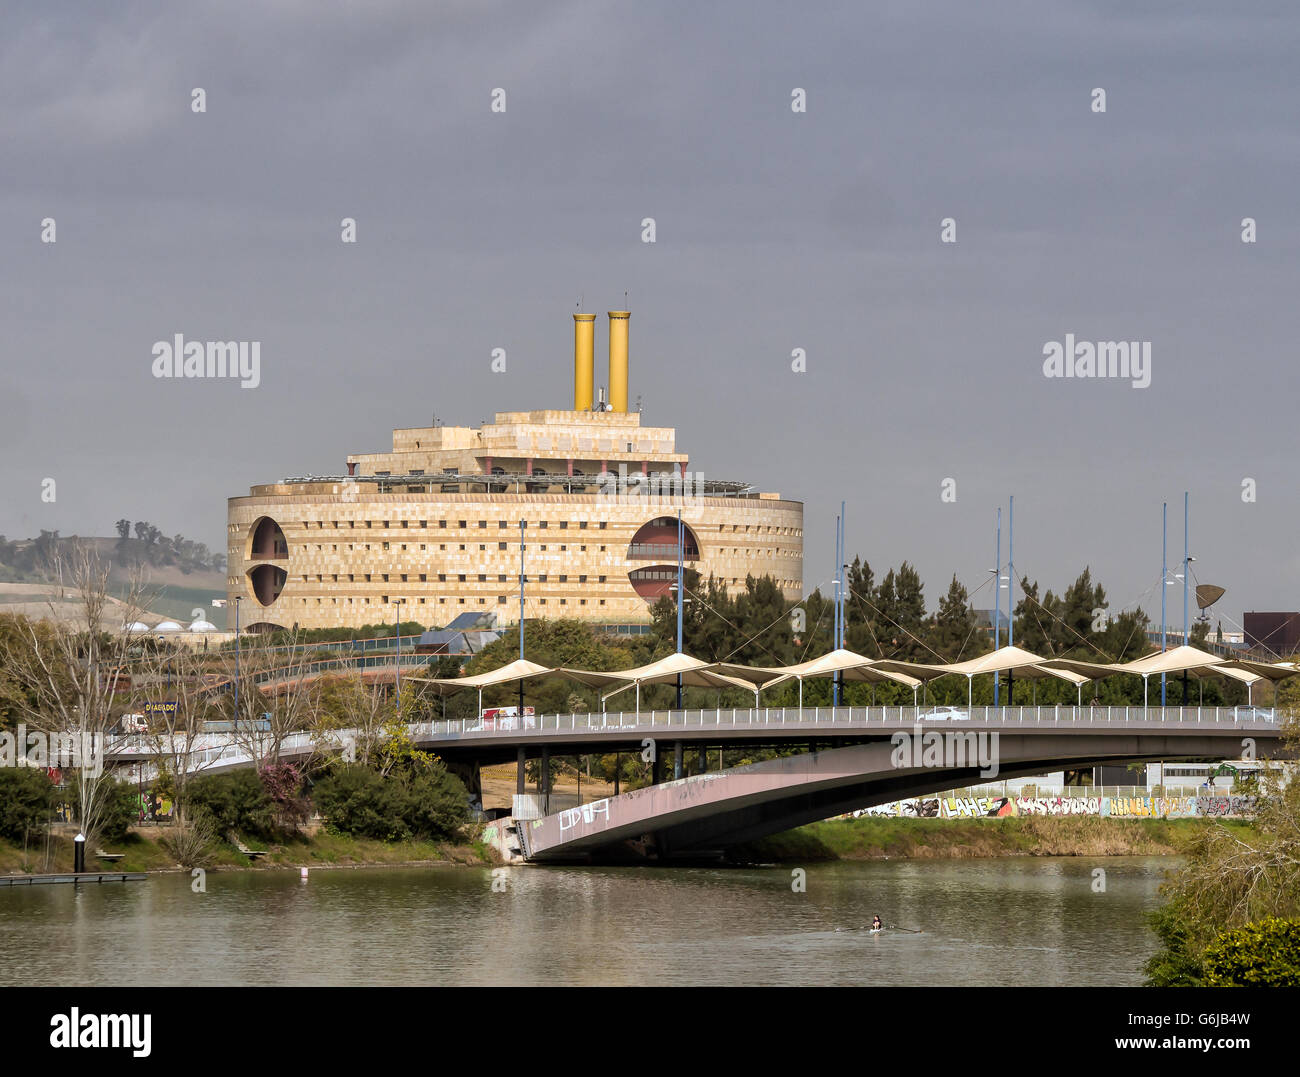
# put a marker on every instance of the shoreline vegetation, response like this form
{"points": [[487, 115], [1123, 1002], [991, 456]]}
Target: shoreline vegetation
{"points": [[865, 838], [877, 838]]}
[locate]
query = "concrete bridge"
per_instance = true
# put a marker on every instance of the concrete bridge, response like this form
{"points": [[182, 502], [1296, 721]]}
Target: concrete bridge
{"points": [[702, 814], [850, 761]]}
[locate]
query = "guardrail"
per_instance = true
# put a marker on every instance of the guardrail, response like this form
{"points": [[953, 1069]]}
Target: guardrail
{"points": [[810, 721], [829, 719]]}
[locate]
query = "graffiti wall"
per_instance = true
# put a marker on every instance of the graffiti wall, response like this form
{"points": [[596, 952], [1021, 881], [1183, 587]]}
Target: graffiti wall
{"points": [[1109, 807]]}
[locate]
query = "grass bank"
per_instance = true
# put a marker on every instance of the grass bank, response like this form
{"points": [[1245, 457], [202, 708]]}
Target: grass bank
{"points": [[144, 851], [869, 838]]}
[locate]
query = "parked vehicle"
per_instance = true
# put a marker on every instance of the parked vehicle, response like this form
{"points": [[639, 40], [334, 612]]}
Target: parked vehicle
{"points": [[945, 714], [1254, 714], [506, 718]]}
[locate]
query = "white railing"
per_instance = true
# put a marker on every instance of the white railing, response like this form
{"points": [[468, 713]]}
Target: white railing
{"points": [[817, 721]]}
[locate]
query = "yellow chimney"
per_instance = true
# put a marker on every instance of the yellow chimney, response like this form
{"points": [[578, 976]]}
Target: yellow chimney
{"points": [[618, 358], [584, 360]]}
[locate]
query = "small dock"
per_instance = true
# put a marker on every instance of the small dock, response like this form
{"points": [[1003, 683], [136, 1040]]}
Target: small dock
{"points": [[74, 877]]}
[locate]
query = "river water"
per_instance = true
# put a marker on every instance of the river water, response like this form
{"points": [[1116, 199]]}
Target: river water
{"points": [[995, 922]]}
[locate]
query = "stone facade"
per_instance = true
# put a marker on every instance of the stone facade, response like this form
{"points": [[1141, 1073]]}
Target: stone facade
{"points": [[434, 525]]}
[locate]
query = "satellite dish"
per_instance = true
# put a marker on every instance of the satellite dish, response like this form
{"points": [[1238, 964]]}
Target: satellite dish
{"points": [[1207, 594]]}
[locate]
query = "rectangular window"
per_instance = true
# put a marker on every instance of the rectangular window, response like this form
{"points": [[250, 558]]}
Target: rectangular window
{"points": [[501, 545]]}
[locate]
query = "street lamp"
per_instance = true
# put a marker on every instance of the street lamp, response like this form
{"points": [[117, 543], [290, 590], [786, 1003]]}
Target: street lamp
{"points": [[237, 597], [397, 619]]}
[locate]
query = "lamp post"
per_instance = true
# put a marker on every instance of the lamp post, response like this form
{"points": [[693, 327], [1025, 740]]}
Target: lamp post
{"points": [[680, 596], [1011, 593], [997, 602], [523, 526], [1164, 582], [237, 597], [397, 618]]}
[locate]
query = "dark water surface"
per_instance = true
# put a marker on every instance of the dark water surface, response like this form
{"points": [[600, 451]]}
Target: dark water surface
{"points": [[1009, 921]]}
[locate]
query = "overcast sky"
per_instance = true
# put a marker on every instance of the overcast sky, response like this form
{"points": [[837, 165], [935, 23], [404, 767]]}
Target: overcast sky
{"points": [[775, 230]]}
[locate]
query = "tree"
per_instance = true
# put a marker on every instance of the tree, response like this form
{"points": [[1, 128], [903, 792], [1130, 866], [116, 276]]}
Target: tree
{"points": [[1233, 878], [67, 672], [954, 626], [123, 531]]}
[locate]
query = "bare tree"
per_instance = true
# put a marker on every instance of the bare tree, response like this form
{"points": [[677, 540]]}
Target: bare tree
{"points": [[171, 685], [271, 693], [71, 666]]}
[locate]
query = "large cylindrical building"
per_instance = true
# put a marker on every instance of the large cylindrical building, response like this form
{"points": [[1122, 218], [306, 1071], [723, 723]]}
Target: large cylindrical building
{"points": [[435, 523]]}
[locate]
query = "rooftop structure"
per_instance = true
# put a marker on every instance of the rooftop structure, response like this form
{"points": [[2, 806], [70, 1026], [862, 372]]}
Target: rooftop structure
{"points": [[437, 524]]}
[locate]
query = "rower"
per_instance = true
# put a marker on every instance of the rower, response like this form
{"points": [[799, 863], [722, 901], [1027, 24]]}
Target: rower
{"points": [[876, 925]]}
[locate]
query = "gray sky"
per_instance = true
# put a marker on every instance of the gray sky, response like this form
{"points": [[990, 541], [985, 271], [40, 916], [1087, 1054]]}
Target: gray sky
{"points": [[775, 231]]}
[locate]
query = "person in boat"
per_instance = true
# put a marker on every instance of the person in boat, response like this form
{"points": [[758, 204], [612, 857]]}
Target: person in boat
{"points": [[876, 925]]}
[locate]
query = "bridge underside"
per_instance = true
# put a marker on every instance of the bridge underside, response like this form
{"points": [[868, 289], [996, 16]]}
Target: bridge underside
{"points": [[704, 814]]}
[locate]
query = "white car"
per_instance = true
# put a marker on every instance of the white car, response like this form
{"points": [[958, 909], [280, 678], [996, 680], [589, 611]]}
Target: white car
{"points": [[1253, 714], [945, 714]]}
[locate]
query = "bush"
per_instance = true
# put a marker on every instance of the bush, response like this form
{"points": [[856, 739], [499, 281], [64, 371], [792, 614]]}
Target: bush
{"points": [[236, 801], [428, 803], [1263, 954], [191, 845], [26, 800], [360, 802]]}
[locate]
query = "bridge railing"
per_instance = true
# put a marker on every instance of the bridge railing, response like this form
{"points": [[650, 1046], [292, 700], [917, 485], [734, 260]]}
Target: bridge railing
{"points": [[828, 719], [818, 722]]}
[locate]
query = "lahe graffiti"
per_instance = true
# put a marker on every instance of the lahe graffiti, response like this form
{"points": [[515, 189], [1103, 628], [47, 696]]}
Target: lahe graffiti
{"points": [[1107, 807]]}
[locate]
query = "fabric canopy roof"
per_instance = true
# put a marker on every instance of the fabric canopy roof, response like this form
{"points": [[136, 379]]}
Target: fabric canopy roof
{"points": [[848, 664], [517, 670], [694, 672]]}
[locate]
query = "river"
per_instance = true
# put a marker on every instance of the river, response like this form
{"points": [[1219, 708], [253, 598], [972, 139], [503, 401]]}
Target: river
{"points": [[994, 922]]}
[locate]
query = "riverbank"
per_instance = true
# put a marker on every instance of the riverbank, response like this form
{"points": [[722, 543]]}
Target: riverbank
{"points": [[874, 838], [144, 851]]}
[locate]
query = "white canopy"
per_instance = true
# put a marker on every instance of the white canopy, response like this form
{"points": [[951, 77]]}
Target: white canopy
{"points": [[694, 672]]}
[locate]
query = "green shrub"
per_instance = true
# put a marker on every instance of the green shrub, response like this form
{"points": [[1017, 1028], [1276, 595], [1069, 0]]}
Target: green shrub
{"points": [[360, 802], [1263, 954], [26, 800], [427, 802], [236, 801]]}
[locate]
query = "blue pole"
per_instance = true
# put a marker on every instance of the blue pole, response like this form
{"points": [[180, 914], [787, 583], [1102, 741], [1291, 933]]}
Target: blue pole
{"points": [[844, 579], [1186, 559], [836, 634], [997, 601], [1011, 593], [523, 524], [397, 619], [681, 598], [1164, 584]]}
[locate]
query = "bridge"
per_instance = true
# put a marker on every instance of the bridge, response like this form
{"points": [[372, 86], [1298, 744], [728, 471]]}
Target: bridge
{"points": [[851, 761]]}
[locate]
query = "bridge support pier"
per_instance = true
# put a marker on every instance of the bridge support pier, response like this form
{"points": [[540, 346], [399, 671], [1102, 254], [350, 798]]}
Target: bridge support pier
{"points": [[654, 770], [544, 780], [677, 760], [521, 760], [618, 763], [468, 772]]}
